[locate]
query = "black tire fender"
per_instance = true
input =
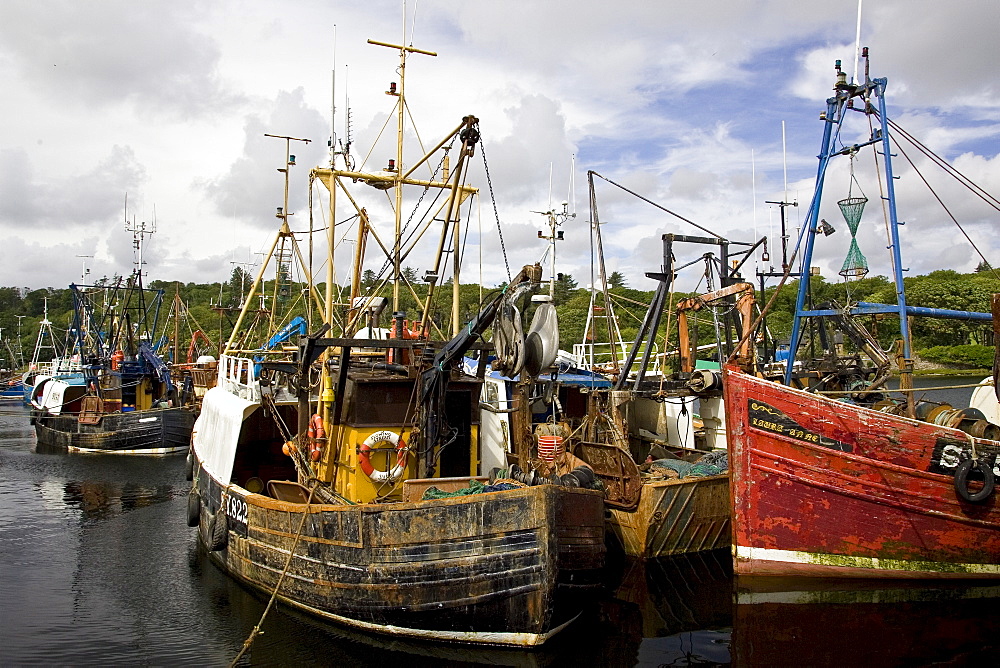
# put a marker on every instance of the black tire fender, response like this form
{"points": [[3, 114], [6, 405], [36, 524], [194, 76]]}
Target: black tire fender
{"points": [[962, 480], [218, 532], [194, 509]]}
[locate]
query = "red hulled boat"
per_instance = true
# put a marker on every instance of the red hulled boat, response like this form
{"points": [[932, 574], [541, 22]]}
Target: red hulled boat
{"points": [[824, 488], [852, 484]]}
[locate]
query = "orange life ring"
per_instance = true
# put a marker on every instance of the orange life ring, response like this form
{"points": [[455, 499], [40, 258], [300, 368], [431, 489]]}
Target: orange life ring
{"points": [[316, 425], [364, 456], [317, 434]]}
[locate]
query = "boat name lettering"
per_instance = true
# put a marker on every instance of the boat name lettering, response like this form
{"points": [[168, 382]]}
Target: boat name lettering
{"points": [[768, 418]]}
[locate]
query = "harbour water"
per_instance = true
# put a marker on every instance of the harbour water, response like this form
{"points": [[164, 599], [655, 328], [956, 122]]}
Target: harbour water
{"points": [[99, 568]]}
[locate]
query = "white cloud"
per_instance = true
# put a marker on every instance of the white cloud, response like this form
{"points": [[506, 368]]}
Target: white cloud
{"points": [[681, 103]]}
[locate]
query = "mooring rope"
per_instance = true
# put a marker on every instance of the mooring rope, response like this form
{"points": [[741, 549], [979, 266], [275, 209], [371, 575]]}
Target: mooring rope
{"points": [[274, 595]]}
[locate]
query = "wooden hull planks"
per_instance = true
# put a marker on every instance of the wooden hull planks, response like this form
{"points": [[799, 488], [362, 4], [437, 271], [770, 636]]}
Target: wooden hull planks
{"points": [[675, 517], [501, 568]]}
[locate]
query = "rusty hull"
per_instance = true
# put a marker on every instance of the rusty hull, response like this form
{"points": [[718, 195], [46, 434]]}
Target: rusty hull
{"points": [[502, 568], [659, 518], [825, 488]]}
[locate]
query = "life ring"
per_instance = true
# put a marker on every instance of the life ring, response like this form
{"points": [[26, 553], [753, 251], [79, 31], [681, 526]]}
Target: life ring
{"points": [[364, 456], [962, 480], [317, 434], [316, 425]]}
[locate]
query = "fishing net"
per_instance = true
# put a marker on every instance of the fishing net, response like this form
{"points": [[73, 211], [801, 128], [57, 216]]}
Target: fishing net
{"points": [[852, 208], [475, 487], [855, 264]]}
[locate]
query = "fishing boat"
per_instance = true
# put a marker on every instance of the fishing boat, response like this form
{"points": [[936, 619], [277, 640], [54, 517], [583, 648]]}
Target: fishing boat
{"points": [[48, 360], [666, 486], [11, 391], [11, 385], [111, 392], [344, 476], [829, 476]]}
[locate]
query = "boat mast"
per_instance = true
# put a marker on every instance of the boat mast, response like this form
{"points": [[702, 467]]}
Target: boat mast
{"points": [[44, 330], [394, 176], [833, 119], [396, 166]]}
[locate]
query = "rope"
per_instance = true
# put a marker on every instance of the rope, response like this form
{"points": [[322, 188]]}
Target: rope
{"points": [[288, 562], [951, 171], [972, 445]]}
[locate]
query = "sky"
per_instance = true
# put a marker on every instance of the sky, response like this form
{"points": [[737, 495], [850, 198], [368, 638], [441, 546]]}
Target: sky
{"points": [[123, 114]]}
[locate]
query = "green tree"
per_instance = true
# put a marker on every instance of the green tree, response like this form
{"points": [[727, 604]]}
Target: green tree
{"points": [[616, 280], [368, 279], [564, 288]]}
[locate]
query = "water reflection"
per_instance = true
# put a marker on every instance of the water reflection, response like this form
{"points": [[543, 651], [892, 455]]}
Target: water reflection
{"points": [[782, 621], [100, 564], [672, 612], [101, 486]]}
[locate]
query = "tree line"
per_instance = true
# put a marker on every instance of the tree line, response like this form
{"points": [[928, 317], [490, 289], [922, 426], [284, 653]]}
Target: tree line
{"points": [[213, 308]]}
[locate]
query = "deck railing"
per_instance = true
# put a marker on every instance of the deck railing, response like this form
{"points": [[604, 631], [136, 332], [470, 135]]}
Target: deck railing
{"points": [[236, 377]]}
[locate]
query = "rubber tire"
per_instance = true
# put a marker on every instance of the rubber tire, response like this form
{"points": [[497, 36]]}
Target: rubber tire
{"points": [[218, 532], [193, 509], [962, 480], [189, 473]]}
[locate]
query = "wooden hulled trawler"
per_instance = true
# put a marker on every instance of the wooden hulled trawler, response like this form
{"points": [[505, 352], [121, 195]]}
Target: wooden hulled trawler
{"points": [[344, 474]]}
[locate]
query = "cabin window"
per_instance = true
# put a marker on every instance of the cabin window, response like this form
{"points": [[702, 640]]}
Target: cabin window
{"points": [[382, 403]]}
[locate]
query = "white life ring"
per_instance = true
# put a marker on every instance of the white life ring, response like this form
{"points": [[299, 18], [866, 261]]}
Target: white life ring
{"points": [[371, 443]]}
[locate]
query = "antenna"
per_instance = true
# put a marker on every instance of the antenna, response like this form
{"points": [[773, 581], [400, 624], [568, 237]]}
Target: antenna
{"points": [[753, 191], [333, 100], [85, 271], [555, 219], [550, 185], [413, 22], [571, 189], [139, 232], [857, 45]]}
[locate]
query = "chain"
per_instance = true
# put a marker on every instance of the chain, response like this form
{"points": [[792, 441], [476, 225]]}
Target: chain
{"points": [[493, 199]]}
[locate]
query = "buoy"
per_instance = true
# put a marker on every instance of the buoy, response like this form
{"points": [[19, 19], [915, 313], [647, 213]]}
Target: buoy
{"points": [[364, 456]]}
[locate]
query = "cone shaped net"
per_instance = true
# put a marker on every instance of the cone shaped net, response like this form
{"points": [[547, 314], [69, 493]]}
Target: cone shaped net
{"points": [[855, 264], [852, 208]]}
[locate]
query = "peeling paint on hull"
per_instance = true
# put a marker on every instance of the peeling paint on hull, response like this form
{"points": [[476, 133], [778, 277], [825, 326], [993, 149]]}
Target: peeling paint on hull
{"points": [[824, 488], [502, 568]]}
